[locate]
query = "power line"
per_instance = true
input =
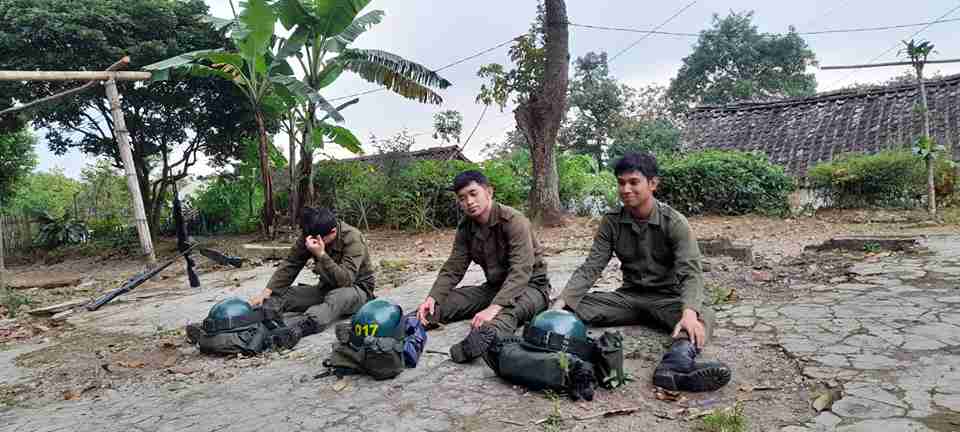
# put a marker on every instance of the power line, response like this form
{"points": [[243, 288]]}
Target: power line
{"points": [[869, 29], [928, 25], [631, 30], [468, 58], [650, 33], [811, 33]]}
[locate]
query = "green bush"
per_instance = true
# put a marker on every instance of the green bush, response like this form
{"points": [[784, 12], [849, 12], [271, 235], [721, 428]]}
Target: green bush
{"points": [[583, 190], [894, 178], [230, 205], [724, 182]]}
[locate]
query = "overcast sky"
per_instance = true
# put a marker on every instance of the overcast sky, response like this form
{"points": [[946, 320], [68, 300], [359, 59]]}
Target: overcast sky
{"points": [[438, 32]]}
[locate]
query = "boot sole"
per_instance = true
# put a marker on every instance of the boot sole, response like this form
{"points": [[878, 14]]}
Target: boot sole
{"points": [[462, 352], [194, 334], [701, 380]]}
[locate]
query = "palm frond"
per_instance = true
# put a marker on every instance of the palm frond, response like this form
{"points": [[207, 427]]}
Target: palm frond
{"points": [[406, 78], [340, 42]]}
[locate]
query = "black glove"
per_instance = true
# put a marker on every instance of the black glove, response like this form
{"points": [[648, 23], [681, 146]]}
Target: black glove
{"points": [[582, 381]]}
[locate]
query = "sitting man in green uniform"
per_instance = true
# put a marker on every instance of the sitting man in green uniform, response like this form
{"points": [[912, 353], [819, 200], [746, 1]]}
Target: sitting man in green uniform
{"points": [[501, 241], [342, 262], [662, 278]]}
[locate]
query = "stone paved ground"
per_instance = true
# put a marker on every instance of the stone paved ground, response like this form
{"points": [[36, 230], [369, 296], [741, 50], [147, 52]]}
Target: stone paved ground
{"points": [[888, 336]]}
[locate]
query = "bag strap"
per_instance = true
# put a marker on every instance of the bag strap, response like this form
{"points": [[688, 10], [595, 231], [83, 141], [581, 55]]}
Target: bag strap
{"points": [[557, 342], [218, 325]]}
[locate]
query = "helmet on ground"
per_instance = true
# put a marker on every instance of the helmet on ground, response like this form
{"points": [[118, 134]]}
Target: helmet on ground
{"points": [[228, 314], [556, 330], [377, 318]]}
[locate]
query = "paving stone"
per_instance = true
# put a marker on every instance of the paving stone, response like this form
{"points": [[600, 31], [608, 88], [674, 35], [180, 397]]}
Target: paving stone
{"points": [[744, 322], [948, 401], [763, 328], [867, 341], [827, 421], [920, 401], [828, 373], [886, 425], [875, 392], [920, 343], [860, 408], [950, 299], [840, 349], [794, 429], [942, 332], [834, 360], [873, 361]]}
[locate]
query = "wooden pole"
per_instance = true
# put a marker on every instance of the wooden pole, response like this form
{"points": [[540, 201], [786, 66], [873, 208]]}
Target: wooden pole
{"points": [[118, 65], [3, 268], [73, 76], [123, 142]]}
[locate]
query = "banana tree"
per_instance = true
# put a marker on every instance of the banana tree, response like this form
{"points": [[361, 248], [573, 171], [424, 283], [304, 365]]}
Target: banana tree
{"points": [[322, 31], [259, 70]]}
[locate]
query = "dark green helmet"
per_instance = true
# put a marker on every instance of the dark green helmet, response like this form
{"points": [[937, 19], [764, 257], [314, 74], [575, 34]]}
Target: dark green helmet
{"points": [[378, 318], [230, 313], [557, 330]]}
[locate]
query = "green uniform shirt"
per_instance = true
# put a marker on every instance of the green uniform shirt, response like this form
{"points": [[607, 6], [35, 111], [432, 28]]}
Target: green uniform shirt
{"points": [[506, 250], [657, 255], [345, 263]]}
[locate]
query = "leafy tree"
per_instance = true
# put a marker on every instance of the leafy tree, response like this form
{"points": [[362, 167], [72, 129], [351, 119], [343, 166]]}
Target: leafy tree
{"points": [[322, 34], [448, 125], [917, 52], [17, 159], [538, 85], [400, 142], [169, 122], [734, 62], [103, 194], [598, 103], [51, 193], [658, 136]]}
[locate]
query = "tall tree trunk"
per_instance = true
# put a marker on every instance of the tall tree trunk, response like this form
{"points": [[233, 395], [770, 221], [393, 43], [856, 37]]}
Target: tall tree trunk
{"points": [[293, 201], [540, 116], [306, 161], [929, 159], [265, 174]]}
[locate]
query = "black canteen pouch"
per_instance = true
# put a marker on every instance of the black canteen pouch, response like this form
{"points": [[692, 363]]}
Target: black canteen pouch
{"points": [[534, 369], [608, 360], [379, 357]]}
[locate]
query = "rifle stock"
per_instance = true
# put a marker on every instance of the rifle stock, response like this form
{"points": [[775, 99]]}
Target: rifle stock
{"points": [[135, 281]]}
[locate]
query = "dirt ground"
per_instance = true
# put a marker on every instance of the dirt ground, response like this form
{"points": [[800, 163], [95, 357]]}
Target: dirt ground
{"points": [[76, 364]]}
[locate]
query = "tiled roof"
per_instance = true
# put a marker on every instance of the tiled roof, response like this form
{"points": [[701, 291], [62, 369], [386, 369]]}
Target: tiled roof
{"points": [[798, 133]]}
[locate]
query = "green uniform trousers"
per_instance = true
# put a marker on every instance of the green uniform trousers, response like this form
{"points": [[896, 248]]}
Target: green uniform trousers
{"points": [[629, 307], [322, 304], [464, 302]]}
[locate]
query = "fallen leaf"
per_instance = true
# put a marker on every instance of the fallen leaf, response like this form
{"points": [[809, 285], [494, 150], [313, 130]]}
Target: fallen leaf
{"points": [[825, 400], [134, 364], [340, 385], [71, 395], [182, 370], [670, 396]]}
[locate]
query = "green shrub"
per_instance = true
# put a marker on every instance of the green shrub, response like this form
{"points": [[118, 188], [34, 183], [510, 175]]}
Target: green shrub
{"points": [[724, 182], [894, 178], [230, 204], [583, 190]]}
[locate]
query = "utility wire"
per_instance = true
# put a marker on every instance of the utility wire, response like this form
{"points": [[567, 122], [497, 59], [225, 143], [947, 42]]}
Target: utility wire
{"points": [[928, 25], [650, 33], [457, 62], [810, 33]]}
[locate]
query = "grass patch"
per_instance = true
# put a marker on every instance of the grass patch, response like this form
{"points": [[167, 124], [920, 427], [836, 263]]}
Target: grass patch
{"points": [[12, 301], [554, 421], [725, 420]]}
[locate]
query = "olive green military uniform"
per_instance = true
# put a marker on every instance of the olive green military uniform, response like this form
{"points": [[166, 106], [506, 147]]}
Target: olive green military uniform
{"points": [[346, 278], [660, 261], [512, 261]]}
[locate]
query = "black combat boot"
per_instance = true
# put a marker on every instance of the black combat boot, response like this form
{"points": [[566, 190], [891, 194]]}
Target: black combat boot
{"points": [[303, 325], [474, 345], [582, 381], [679, 371], [194, 333]]}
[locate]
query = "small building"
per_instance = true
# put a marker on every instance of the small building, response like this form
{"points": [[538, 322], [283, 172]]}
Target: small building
{"points": [[801, 132], [434, 153]]}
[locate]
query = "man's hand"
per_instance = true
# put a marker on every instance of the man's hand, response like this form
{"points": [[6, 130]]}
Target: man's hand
{"points": [[315, 245], [259, 298], [426, 309], [485, 315], [690, 321], [559, 304]]}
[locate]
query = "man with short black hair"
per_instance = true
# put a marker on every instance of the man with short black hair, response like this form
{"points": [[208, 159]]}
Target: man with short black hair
{"points": [[501, 240], [662, 277], [342, 262]]}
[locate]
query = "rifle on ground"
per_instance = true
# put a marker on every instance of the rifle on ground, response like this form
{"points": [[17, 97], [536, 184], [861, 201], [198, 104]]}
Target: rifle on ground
{"points": [[136, 281]]}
